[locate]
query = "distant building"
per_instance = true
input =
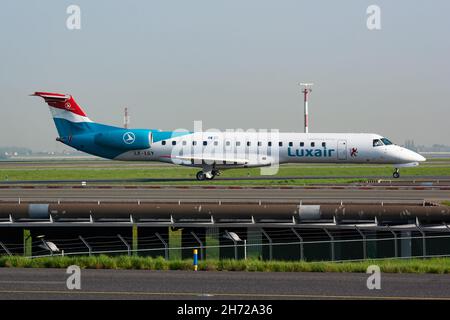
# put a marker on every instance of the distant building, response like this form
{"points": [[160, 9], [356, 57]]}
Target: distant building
{"points": [[409, 144]]}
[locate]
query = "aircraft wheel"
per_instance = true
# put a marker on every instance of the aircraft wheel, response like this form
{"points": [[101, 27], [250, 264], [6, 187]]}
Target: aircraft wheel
{"points": [[201, 176], [396, 174]]}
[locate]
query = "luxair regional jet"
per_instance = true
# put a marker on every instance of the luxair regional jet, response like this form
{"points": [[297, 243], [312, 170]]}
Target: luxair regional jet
{"points": [[215, 151]]}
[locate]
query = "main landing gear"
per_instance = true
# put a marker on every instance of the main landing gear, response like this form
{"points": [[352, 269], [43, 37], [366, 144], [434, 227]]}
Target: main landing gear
{"points": [[396, 173], [207, 175]]}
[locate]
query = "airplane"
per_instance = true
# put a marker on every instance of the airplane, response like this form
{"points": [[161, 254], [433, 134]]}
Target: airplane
{"points": [[216, 151]]}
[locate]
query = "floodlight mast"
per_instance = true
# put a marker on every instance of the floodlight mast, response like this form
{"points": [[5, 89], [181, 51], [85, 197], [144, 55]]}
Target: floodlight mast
{"points": [[306, 91], [126, 118]]}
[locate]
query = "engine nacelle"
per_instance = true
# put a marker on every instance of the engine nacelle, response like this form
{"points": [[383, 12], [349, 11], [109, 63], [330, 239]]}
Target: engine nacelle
{"points": [[125, 139]]}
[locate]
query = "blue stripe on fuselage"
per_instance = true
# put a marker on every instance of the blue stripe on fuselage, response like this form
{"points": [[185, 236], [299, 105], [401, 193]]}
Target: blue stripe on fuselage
{"points": [[164, 135]]}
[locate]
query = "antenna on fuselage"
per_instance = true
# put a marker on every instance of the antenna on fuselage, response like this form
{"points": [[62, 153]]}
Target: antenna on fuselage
{"points": [[306, 91]]}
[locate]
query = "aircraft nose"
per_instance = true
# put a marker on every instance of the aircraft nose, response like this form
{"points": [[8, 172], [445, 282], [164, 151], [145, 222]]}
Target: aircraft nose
{"points": [[414, 156], [420, 158]]}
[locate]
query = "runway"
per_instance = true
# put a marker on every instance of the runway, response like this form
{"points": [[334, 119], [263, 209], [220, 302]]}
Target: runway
{"points": [[141, 284], [409, 179], [228, 193]]}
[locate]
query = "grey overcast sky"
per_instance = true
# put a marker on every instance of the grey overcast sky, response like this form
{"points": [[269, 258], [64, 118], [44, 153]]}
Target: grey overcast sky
{"points": [[230, 63]]}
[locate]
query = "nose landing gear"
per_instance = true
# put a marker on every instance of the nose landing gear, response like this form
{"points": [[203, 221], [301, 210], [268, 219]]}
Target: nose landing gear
{"points": [[396, 173]]}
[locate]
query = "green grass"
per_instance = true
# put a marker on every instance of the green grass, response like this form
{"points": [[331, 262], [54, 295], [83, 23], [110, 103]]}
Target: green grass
{"points": [[433, 265], [437, 159], [446, 203], [79, 173]]}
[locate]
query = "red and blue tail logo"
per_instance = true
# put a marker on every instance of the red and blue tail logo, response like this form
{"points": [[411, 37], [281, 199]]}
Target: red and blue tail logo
{"points": [[63, 102], [69, 117]]}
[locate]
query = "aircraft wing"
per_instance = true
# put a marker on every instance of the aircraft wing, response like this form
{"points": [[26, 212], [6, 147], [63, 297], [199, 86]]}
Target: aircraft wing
{"points": [[221, 160]]}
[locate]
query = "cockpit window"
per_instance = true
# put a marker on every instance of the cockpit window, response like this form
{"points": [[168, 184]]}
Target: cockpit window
{"points": [[377, 142], [386, 141]]}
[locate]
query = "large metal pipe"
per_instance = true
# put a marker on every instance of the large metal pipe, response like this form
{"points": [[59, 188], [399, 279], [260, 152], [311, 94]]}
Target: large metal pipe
{"points": [[148, 211], [381, 212], [223, 211]]}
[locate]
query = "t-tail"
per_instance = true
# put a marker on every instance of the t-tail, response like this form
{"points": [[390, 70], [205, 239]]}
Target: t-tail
{"points": [[69, 117], [75, 129]]}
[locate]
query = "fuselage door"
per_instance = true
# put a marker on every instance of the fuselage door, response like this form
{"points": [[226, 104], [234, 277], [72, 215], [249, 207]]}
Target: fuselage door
{"points": [[342, 150]]}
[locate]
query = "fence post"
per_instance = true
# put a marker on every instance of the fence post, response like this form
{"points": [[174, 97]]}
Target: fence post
{"points": [[199, 242], [166, 247], [27, 243], [245, 249], [135, 239], [424, 241], [302, 257], [331, 242], [270, 243], [5, 248], [86, 244], [175, 243], [395, 241], [364, 242], [126, 244]]}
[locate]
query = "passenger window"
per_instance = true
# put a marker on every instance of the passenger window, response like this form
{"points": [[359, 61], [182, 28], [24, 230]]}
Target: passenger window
{"points": [[313, 144], [259, 143], [174, 142], [302, 144], [280, 144], [205, 143], [163, 142], [248, 143], [228, 143], [184, 142], [238, 143], [216, 143], [324, 144], [290, 144], [194, 143], [269, 143]]}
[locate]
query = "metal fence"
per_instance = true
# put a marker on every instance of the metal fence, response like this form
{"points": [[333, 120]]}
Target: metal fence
{"points": [[278, 244]]}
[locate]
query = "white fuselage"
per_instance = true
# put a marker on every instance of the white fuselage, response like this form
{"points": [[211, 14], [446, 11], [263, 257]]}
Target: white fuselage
{"points": [[252, 149]]}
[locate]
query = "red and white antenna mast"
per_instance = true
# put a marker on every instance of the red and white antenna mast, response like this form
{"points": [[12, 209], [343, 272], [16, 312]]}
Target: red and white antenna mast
{"points": [[306, 91], [126, 119]]}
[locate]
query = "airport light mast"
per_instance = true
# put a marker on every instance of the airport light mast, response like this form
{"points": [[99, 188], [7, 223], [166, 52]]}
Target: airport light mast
{"points": [[126, 119], [306, 91]]}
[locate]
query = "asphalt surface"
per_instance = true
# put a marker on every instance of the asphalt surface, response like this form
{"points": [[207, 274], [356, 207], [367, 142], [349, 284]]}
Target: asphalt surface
{"points": [[124, 194], [254, 178], [139, 284]]}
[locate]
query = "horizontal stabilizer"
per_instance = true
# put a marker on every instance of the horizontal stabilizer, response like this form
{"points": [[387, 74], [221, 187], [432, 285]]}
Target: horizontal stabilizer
{"points": [[61, 101]]}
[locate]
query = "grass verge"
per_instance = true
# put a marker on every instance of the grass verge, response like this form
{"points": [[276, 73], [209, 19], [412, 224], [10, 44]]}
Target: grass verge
{"points": [[431, 265], [327, 172]]}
